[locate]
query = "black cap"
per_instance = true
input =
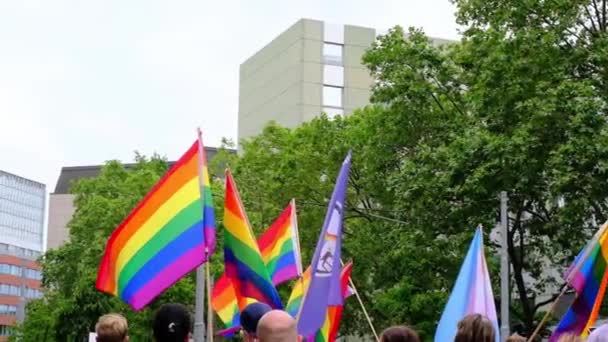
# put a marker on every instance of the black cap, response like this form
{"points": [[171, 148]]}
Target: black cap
{"points": [[251, 316]]}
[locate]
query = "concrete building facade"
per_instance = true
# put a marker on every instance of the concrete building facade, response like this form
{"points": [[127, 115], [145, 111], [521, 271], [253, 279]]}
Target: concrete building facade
{"points": [[22, 209], [312, 67]]}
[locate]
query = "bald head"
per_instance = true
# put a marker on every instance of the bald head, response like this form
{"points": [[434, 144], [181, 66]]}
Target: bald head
{"points": [[277, 326]]}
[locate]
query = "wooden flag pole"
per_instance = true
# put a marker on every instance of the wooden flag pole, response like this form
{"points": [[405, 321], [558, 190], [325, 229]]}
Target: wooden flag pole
{"points": [[547, 314], [369, 320]]}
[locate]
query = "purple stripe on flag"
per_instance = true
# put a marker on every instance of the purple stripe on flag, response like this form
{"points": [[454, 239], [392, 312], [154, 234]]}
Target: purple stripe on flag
{"points": [[285, 274], [167, 277]]}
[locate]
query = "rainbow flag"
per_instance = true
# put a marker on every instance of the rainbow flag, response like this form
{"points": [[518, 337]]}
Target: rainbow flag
{"points": [[161, 240], [242, 258], [297, 293], [279, 247], [208, 211], [588, 276], [280, 252]]}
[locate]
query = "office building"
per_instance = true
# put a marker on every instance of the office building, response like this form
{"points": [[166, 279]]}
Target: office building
{"points": [[61, 201], [310, 68], [22, 208]]}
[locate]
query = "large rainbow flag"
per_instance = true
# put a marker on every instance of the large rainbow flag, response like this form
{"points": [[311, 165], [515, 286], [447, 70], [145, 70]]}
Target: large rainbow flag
{"points": [[242, 259], [162, 239], [280, 252], [588, 276]]}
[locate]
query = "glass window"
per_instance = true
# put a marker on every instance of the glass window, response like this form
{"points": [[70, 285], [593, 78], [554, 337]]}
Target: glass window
{"points": [[333, 33], [332, 54], [332, 96], [333, 112], [333, 75], [5, 330]]}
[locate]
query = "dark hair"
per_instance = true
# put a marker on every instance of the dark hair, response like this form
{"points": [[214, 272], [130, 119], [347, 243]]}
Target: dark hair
{"points": [[399, 334], [172, 323], [475, 328]]}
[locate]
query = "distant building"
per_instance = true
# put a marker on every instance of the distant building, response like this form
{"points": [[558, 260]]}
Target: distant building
{"points": [[312, 68], [61, 201], [22, 208]]}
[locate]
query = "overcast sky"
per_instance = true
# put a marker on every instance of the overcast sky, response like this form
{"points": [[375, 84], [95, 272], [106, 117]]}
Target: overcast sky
{"points": [[82, 82]]}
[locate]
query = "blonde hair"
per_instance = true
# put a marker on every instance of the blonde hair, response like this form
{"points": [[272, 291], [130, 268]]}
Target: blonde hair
{"points": [[112, 328], [569, 338], [516, 338]]}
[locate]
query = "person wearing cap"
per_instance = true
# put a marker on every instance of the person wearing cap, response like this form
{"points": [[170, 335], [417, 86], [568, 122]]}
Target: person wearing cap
{"points": [[250, 317], [172, 323]]}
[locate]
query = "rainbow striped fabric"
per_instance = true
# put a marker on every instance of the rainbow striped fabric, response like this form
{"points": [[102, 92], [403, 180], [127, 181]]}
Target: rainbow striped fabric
{"points": [[588, 276], [242, 259], [279, 247], [161, 240], [208, 211], [331, 325], [280, 252]]}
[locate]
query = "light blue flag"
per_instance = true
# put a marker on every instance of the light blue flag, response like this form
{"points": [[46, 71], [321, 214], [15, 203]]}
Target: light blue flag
{"points": [[472, 293]]}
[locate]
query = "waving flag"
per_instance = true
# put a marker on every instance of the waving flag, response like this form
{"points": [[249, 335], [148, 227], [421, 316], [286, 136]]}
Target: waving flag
{"points": [[280, 251], [162, 239], [208, 211], [472, 293], [244, 265], [588, 277], [325, 287]]}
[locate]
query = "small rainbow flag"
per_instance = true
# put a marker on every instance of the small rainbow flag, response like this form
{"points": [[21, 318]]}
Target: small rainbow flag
{"points": [[279, 247], [280, 252], [588, 276], [162, 239], [242, 258]]}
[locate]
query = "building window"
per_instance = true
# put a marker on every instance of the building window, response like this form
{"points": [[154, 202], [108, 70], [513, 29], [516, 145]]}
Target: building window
{"points": [[33, 274], [5, 330], [333, 75], [332, 54], [9, 290], [10, 310], [332, 96]]}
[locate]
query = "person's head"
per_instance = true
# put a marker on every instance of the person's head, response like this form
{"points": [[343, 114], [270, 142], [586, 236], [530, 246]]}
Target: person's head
{"points": [[569, 338], [516, 338], [475, 328], [250, 317], [112, 328], [172, 323], [277, 326], [399, 334], [599, 335]]}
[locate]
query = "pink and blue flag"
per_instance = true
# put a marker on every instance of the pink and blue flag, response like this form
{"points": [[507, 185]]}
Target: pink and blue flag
{"points": [[325, 287], [472, 293]]}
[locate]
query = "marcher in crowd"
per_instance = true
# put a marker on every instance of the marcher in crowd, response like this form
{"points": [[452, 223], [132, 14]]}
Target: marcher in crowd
{"points": [[250, 317], [277, 326], [399, 334], [475, 328], [112, 328], [516, 338], [172, 323]]}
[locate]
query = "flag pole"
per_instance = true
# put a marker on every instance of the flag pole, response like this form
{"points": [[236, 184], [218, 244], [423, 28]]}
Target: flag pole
{"points": [[294, 222], [548, 314], [199, 310], [369, 321], [209, 310]]}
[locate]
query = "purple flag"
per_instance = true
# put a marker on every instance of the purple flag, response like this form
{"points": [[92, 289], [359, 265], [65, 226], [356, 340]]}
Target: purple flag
{"points": [[325, 287]]}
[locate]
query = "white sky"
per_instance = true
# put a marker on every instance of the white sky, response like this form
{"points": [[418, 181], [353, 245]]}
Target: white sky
{"points": [[82, 82]]}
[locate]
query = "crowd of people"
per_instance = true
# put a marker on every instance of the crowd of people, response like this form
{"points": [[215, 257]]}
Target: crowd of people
{"points": [[260, 323]]}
